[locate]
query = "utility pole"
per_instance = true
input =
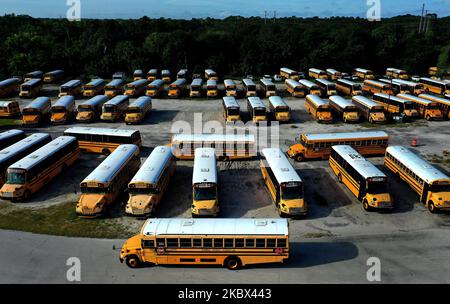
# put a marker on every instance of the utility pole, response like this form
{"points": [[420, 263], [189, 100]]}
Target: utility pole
{"points": [[421, 18], [265, 17]]}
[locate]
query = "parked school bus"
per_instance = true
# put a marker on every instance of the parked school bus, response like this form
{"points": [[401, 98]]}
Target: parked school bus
{"points": [[289, 74], [318, 108], [166, 76], [211, 88], [94, 87], [31, 173], [279, 109], [182, 74], [9, 108], [205, 199], [425, 108], [33, 75], [327, 88], [249, 87], [53, 76], [30, 88], [397, 88], [317, 73], [334, 74], [396, 73], [284, 185], [7, 138], [228, 146], [432, 71], [395, 106], [9, 86], [295, 88], [72, 87], [119, 75], [19, 150], [114, 109], [103, 140], [231, 109], [63, 110], [443, 103], [177, 88], [211, 74], [435, 86], [373, 86], [310, 146], [148, 186], [196, 88], [152, 74], [103, 186], [138, 110], [413, 87], [344, 108], [230, 87], [268, 88], [369, 109], [36, 112], [231, 243], [256, 109], [432, 185], [138, 75], [155, 88], [311, 87], [363, 73], [91, 109], [114, 88], [348, 87], [361, 177], [135, 88]]}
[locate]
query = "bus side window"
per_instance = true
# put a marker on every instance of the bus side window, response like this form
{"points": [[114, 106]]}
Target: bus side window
{"points": [[229, 243], [207, 243], [218, 243], [185, 242], [260, 243], [281, 243], [172, 242], [161, 242], [271, 243], [250, 243], [148, 244], [197, 242], [239, 243]]}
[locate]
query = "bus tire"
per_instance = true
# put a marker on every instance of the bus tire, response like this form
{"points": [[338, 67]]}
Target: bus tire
{"points": [[339, 178], [298, 157], [233, 263], [106, 151], [132, 261], [26, 195], [366, 205], [432, 208], [428, 117], [370, 120]]}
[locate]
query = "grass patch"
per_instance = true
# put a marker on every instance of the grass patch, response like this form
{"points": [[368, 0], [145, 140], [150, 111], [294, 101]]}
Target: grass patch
{"points": [[367, 124], [59, 220], [9, 122]]}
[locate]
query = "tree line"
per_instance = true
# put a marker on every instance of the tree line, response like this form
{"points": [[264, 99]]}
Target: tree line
{"points": [[234, 46]]}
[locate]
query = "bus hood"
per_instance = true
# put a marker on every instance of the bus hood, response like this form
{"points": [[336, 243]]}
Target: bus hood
{"points": [[132, 117], [30, 119], [351, 116], [58, 116], [140, 204], [324, 116], [91, 204], [9, 191], [381, 200], [294, 206], [130, 246], [378, 116], [205, 207], [85, 115], [441, 199]]}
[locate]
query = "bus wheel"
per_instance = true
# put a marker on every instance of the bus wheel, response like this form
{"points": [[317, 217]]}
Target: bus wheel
{"points": [[232, 263], [26, 195], [298, 157], [106, 152], [132, 261], [428, 117], [366, 205], [339, 177], [432, 208], [370, 120]]}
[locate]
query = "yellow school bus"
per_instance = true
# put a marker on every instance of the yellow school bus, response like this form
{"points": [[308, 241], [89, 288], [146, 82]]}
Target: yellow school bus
{"points": [[317, 73], [9, 86], [114, 109], [103, 186], [284, 185], [195, 89], [152, 74], [211, 74], [138, 110], [395, 106], [318, 108], [33, 75], [231, 243], [363, 73], [114, 88], [19, 150], [396, 73], [327, 88], [138, 74], [72, 87], [228, 146], [34, 171], [36, 112], [53, 76], [426, 108], [334, 74], [10, 137], [136, 88], [147, 188], [230, 87], [279, 109], [231, 109], [295, 88], [373, 86], [182, 74], [63, 110], [432, 185], [256, 109], [155, 88], [289, 74], [361, 177], [91, 109], [211, 88], [311, 87], [443, 103], [249, 87], [103, 140], [177, 88], [344, 108], [268, 87], [413, 87], [397, 87], [30, 88], [9, 108], [94, 87], [166, 76], [205, 199], [348, 87], [435, 86], [315, 146], [369, 109]]}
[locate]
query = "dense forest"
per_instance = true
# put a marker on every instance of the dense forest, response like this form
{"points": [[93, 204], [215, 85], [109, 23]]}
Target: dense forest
{"points": [[232, 46]]}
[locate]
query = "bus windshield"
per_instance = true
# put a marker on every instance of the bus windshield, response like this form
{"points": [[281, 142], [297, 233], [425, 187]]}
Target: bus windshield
{"points": [[281, 109], [17, 178], [137, 191], [31, 112], [260, 112], [94, 190], [432, 107], [133, 110], [84, 109], [292, 192], [440, 188], [109, 109], [233, 111], [58, 110], [206, 193], [377, 187]]}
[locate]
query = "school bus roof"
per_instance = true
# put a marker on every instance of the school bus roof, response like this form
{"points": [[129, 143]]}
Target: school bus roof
{"points": [[406, 82], [178, 82], [349, 82], [292, 83], [115, 83], [229, 82], [210, 71], [332, 71], [361, 70], [153, 165], [219, 226], [5, 103], [196, 82], [369, 103], [38, 103], [100, 131], [64, 101], [346, 135], [277, 101], [307, 83], [10, 133], [256, 102], [416, 164], [96, 100], [117, 100], [317, 71], [205, 167], [211, 82], [8, 82], [248, 82], [230, 102], [395, 70], [341, 101], [392, 97], [152, 71], [140, 102], [213, 138], [95, 82], [435, 98], [136, 83], [72, 83], [288, 70], [21, 145], [156, 83], [32, 81], [358, 162], [280, 165], [317, 100], [325, 82]]}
